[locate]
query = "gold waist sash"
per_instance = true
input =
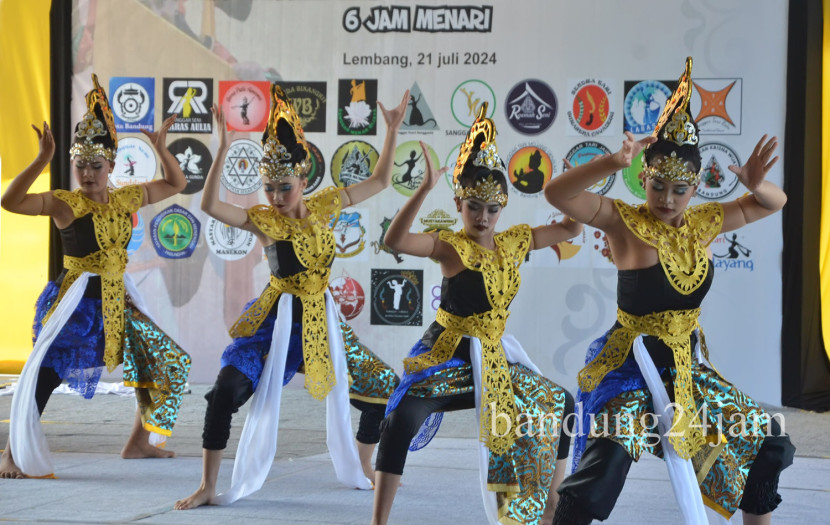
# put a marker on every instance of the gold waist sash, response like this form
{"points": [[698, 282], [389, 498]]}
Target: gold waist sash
{"points": [[110, 266], [497, 392], [674, 328], [310, 287]]}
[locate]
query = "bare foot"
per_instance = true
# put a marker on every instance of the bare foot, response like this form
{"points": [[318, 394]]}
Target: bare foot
{"points": [[134, 450], [8, 469], [202, 496]]}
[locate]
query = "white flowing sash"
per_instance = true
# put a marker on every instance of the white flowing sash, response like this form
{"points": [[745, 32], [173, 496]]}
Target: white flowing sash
{"points": [[514, 353], [258, 442], [26, 438]]}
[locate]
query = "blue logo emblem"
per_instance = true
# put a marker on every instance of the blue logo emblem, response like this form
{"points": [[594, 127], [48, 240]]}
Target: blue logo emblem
{"points": [[175, 232], [643, 106], [131, 99]]}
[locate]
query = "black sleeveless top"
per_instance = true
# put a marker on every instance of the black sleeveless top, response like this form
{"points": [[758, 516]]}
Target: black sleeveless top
{"points": [[463, 295], [648, 290], [283, 262]]}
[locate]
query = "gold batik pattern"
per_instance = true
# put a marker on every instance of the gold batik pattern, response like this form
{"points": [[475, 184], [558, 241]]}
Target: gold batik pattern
{"points": [[370, 379], [113, 226], [500, 270], [682, 250], [313, 243]]}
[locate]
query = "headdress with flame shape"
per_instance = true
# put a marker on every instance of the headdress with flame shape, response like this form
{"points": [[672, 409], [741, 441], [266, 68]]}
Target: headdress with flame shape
{"points": [[95, 134], [285, 150], [479, 149], [677, 126]]}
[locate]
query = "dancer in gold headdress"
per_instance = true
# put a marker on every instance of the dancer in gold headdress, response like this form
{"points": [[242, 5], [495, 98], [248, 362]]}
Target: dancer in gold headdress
{"points": [[655, 352], [91, 316], [464, 359], [293, 326]]}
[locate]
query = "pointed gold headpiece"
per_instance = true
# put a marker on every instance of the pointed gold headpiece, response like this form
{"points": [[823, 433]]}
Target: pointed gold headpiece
{"points": [[96, 126], [277, 158], [483, 132]]}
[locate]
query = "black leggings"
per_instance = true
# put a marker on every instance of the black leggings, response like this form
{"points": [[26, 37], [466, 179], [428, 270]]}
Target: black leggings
{"points": [[47, 381], [591, 491], [233, 388], [403, 423]]}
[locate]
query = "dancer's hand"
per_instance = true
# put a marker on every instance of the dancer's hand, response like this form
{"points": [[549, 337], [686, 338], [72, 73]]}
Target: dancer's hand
{"points": [[225, 136], [631, 148], [431, 175], [754, 171], [46, 143], [394, 117], [159, 138]]}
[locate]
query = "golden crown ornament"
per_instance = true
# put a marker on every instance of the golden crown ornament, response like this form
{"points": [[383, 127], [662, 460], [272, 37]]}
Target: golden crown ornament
{"points": [[276, 160], [487, 156], [91, 127]]}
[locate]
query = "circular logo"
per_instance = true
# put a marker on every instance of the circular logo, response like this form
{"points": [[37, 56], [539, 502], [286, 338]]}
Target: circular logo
{"points": [[137, 236], [644, 104], [530, 107], [348, 235], [530, 168], [590, 113], [175, 232], [716, 180], [584, 152], [634, 179], [245, 106], [130, 102], [194, 160], [353, 162], [240, 173], [228, 242], [410, 166], [349, 296], [452, 158], [468, 97], [135, 163], [318, 168]]}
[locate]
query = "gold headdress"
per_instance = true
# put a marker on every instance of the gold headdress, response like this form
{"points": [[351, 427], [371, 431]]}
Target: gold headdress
{"points": [[95, 133], [676, 125], [278, 154], [483, 133]]}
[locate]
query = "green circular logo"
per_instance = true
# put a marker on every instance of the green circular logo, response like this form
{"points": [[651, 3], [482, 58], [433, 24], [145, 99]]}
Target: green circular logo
{"points": [[175, 232], [634, 179]]}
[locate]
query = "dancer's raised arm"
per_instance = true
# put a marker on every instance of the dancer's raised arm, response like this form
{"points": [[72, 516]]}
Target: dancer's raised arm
{"points": [[382, 174], [174, 180]]}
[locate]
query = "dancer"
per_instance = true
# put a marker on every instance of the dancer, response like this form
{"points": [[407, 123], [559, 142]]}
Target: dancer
{"points": [[655, 352], [294, 322], [92, 316], [464, 360]]}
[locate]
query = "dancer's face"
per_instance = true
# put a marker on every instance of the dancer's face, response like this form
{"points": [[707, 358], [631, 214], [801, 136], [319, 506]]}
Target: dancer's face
{"points": [[91, 175], [286, 194], [479, 217], [667, 199]]}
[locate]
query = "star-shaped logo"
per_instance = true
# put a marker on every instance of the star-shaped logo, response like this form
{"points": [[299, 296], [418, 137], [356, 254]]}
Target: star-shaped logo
{"points": [[713, 103]]}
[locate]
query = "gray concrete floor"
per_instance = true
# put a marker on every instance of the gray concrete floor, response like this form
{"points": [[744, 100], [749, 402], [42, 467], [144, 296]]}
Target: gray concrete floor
{"points": [[440, 484]]}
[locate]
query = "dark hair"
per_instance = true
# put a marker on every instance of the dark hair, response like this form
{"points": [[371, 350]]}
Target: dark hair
{"points": [[286, 137], [473, 174], [664, 147]]}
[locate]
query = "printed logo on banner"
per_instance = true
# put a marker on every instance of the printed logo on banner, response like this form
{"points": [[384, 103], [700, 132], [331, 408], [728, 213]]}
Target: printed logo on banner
{"points": [[438, 220], [601, 252], [467, 98], [720, 102], [349, 234], [531, 107], [730, 254], [228, 242], [397, 297], [240, 174], [716, 179], [135, 163], [131, 99], [309, 101], [530, 167], [584, 152], [590, 114], [137, 236], [318, 169], [419, 116], [353, 162], [644, 102], [175, 232], [566, 249], [245, 104], [194, 160], [452, 158], [634, 179], [348, 294], [380, 246], [410, 166], [438, 19], [357, 107], [190, 100]]}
